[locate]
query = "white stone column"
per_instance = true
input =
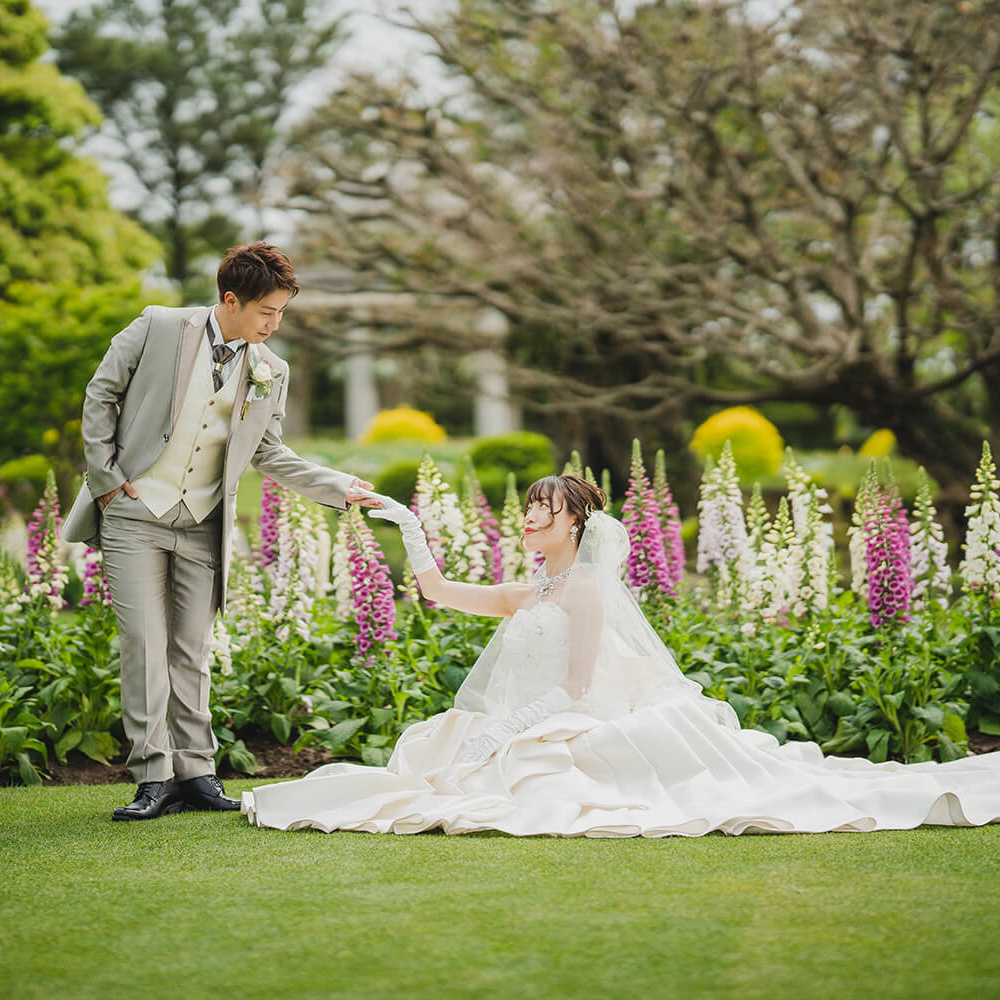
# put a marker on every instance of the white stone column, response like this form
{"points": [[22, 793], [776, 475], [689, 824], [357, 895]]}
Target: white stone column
{"points": [[360, 390], [493, 412]]}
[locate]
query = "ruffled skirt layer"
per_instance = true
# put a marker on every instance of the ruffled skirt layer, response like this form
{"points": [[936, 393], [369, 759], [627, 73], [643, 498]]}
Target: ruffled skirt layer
{"points": [[670, 769]]}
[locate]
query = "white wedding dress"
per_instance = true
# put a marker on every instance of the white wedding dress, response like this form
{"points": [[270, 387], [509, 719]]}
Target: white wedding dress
{"points": [[643, 753]]}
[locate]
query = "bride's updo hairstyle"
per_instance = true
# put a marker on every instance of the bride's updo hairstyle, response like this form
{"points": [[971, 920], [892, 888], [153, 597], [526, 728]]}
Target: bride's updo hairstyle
{"points": [[580, 498]]}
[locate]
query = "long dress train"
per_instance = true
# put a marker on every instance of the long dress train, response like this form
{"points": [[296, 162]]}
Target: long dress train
{"points": [[670, 762]]}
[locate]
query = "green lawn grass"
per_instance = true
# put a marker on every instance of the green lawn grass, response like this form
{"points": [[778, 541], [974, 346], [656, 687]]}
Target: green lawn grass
{"points": [[202, 905]]}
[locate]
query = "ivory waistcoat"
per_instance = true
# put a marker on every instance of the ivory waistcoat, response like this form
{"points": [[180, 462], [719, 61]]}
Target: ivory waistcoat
{"points": [[190, 467]]}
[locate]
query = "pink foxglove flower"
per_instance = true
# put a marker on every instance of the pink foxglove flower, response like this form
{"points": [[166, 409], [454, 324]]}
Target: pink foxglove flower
{"points": [[362, 583], [491, 528], [270, 503], [646, 568], [670, 522], [95, 584], [887, 547], [47, 574]]}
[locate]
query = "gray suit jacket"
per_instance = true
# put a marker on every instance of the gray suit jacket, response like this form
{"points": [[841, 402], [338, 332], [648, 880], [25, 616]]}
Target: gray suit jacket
{"points": [[131, 405]]}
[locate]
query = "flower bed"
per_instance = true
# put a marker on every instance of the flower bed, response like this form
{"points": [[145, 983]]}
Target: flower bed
{"points": [[895, 665]]}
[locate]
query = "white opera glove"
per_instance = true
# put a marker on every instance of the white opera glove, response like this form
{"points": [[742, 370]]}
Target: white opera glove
{"points": [[414, 539], [501, 733]]}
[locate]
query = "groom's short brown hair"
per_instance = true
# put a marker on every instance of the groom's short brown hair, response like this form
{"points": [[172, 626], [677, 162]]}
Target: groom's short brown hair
{"points": [[250, 272]]}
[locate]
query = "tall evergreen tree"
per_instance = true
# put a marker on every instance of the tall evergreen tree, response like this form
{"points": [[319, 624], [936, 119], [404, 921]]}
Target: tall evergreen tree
{"points": [[70, 267], [195, 95]]}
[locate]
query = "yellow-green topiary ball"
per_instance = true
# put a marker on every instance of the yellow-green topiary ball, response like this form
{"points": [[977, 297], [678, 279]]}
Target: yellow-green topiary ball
{"points": [[403, 424], [756, 443], [881, 444]]}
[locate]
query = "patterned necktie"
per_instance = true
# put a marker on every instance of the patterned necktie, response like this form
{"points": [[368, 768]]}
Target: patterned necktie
{"points": [[221, 354]]}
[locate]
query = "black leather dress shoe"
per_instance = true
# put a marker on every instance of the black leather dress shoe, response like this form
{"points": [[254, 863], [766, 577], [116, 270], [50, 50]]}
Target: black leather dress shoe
{"points": [[206, 792], [152, 799]]}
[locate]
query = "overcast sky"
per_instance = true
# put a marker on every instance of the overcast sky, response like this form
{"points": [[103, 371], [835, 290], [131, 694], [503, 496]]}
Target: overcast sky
{"points": [[374, 44], [372, 38]]}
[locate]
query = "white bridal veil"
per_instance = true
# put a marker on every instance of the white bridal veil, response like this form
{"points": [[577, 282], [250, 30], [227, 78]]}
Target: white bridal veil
{"points": [[632, 669]]}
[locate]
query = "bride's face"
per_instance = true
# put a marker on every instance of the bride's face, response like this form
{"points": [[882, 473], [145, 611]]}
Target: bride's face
{"points": [[547, 524]]}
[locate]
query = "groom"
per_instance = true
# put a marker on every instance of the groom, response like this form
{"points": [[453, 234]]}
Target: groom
{"points": [[183, 401]]}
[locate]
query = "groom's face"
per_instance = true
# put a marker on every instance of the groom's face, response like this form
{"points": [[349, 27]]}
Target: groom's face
{"points": [[256, 320]]}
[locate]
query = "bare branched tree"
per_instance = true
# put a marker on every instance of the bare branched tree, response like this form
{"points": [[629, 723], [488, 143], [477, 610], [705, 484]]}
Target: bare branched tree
{"points": [[687, 205]]}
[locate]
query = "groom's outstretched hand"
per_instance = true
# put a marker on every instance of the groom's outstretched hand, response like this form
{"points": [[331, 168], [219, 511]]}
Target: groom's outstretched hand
{"points": [[103, 501], [360, 492]]}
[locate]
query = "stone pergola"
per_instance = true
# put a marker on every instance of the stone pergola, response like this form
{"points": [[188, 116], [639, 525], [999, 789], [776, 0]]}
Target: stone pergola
{"points": [[362, 312]]}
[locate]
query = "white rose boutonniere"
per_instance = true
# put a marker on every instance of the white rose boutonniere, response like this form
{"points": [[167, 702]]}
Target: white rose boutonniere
{"points": [[260, 380]]}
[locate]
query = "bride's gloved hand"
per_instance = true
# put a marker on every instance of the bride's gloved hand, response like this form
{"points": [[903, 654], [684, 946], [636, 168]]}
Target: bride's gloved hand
{"points": [[501, 733], [414, 539]]}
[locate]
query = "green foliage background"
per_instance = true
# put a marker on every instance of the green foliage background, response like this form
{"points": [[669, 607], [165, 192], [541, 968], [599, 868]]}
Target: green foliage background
{"points": [[70, 267]]}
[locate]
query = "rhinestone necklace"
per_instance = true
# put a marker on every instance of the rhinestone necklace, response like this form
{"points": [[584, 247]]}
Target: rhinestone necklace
{"points": [[548, 583]]}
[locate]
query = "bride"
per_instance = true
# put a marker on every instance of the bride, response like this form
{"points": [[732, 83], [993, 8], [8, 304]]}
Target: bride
{"points": [[575, 721]]}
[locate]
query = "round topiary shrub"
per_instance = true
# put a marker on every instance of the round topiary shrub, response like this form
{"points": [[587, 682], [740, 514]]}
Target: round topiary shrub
{"points": [[403, 424], [881, 444], [22, 481], [398, 480], [528, 455], [756, 443]]}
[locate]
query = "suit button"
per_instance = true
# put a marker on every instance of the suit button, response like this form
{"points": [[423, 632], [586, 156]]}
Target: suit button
{"points": [[204, 427], [197, 447], [190, 470], [183, 492], [166, 437]]}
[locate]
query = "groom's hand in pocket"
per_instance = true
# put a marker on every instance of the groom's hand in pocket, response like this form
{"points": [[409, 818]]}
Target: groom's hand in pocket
{"points": [[103, 501]]}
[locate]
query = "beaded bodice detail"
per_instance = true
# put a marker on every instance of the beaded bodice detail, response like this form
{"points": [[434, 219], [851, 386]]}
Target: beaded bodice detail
{"points": [[534, 657]]}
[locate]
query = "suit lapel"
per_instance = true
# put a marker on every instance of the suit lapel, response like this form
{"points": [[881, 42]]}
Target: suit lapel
{"points": [[194, 330]]}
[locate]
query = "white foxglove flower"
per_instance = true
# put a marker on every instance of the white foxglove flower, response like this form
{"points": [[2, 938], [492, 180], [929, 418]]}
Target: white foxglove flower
{"points": [[928, 551], [980, 569], [515, 559], [722, 530]]}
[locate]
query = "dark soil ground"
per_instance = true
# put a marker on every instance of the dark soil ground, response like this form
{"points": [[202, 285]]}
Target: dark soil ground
{"points": [[278, 761], [274, 760]]}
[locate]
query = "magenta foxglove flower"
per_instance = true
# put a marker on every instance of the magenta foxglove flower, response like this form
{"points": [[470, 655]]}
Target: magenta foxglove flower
{"points": [[95, 584], [270, 504], [670, 522], [647, 570], [887, 551], [362, 583]]}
